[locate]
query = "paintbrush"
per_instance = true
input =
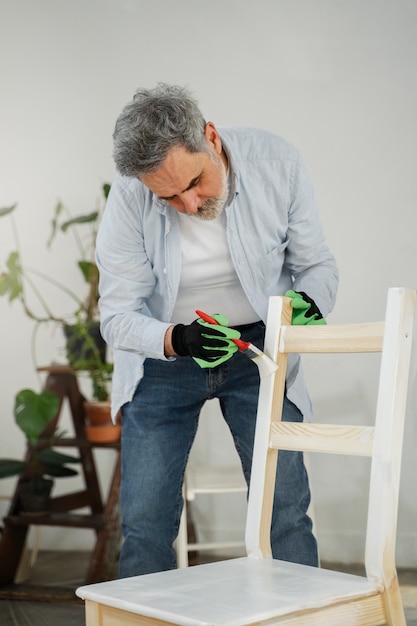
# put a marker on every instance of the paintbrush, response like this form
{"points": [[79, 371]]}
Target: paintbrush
{"points": [[265, 364]]}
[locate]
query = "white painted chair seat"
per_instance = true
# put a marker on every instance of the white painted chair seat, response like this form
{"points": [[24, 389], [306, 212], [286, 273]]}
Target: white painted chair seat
{"points": [[236, 592]]}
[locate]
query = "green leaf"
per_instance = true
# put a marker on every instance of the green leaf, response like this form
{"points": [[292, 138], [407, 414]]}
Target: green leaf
{"points": [[7, 210], [106, 190], [11, 281], [54, 223], [58, 471], [33, 411], [81, 219], [89, 270], [52, 457], [10, 467]]}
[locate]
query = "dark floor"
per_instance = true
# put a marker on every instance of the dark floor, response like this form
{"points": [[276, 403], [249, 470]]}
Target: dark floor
{"points": [[48, 599]]}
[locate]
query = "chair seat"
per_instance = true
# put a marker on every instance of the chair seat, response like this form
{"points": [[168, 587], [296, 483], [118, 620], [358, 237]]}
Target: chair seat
{"points": [[235, 592]]}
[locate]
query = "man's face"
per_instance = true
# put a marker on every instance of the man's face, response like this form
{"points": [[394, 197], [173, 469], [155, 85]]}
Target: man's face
{"points": [[192, 183]]}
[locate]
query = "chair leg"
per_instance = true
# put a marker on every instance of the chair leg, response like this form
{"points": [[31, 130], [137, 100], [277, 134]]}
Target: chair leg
{"points": [[181, 543], [311, 511]]}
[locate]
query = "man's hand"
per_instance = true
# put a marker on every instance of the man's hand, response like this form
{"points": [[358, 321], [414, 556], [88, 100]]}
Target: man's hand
{"points": [[304, 309], [209, 344]]}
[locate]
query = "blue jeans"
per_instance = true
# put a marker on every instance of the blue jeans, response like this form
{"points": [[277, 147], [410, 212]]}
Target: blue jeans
{"points": [[158, 429]]}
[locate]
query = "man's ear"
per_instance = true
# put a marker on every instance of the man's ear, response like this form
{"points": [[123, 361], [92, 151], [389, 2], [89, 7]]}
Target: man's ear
{"points": [[213, 137]]}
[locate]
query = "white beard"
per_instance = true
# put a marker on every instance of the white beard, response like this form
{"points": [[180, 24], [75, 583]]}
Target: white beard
{"points": [[211, 208]]}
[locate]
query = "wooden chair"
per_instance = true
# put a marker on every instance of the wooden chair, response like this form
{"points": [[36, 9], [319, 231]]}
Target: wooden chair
{"points": [[258, 590], [204, 480]]}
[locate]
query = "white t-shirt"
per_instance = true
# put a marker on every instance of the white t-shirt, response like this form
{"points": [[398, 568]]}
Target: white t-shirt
{"points": [[208, 278]]}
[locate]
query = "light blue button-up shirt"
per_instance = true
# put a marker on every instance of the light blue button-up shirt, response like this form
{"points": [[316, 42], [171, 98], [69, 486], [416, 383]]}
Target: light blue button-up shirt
{"points": [[275, 238]]}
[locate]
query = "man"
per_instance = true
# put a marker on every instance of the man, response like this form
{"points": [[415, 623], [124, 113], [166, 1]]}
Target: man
{"points": [[216, 220]]}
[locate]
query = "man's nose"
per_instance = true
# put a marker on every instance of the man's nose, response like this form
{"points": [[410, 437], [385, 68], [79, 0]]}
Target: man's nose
{"points": [[190, 200]]}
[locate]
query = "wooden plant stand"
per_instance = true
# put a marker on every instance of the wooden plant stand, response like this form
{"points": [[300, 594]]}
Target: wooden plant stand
{"points": [[103, 517]]}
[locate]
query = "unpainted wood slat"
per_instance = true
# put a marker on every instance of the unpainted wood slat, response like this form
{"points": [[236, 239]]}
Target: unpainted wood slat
{"points": [[110, 616], [367, 611], [327, 438], [335, 338]]}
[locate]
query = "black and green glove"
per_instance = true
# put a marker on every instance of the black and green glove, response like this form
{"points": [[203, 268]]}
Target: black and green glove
{"points": [[304, 309], [209, 344]]}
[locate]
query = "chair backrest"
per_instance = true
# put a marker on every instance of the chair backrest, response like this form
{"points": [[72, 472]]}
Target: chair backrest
{"points": [[381, 441]]}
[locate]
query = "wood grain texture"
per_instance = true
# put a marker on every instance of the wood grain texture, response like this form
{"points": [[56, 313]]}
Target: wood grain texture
{"points": [[330, 438]]}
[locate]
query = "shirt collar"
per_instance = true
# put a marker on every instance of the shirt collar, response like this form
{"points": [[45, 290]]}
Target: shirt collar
{"points": [[233, 177]]}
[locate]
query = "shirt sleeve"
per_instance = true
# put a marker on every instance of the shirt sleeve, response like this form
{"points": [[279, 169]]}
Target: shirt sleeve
{"points": [[308, 256], [127, 280]]}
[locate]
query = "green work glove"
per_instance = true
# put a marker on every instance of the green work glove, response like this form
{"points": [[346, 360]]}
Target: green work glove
{"points": [[304, 309], [209, 344], [228, 349]]}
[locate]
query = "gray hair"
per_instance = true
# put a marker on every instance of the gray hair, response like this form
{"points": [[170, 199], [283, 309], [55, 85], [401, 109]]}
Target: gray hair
{"points": [[155, 121]]}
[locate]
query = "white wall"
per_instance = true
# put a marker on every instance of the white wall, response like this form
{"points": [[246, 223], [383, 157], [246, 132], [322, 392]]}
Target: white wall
{"points": [[335, 77]]}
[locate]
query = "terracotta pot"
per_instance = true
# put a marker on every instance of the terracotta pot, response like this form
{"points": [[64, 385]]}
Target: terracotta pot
{"points": [[98, 413], [109, 433], [99, 426]]}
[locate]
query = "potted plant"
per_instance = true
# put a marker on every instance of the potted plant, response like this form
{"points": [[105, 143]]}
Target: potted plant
{"points": [[85, 348], [17, 279], [35, 414], [87, 358], [86, 316]]}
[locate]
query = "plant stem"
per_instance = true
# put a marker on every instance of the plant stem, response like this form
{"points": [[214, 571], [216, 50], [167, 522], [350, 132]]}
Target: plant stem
{"points": [[76, 235], [54, 282]]}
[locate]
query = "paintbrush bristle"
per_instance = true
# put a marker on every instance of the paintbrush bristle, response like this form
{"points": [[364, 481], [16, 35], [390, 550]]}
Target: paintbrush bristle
{"points": [[265, 364]]}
